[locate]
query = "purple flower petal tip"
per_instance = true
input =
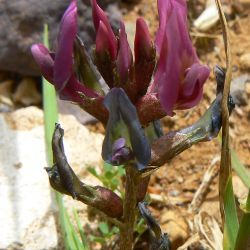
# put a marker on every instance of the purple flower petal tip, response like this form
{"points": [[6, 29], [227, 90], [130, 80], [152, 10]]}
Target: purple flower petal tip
{"points": [[124, 57], [100, 21], [98, 15], [63, 59], [119, 143], [105, 43], [143, 45], [44, 60]]}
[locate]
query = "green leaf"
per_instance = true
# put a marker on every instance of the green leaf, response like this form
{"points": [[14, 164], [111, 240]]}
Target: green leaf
{"points": [[121, 171], [140, 226], [109, 175], [49, 106], [104, 228], [93, 172], [80, 229], [114, 230], [115, 182], [108, 167], [240, 169], [231, 226], [97, 239]]}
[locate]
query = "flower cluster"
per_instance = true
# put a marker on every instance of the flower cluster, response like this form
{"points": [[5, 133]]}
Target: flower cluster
{"points": [[161, 77]]}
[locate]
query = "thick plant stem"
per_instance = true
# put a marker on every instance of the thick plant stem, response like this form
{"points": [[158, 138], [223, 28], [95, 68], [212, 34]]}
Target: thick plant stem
{"points": [[129, 208]]}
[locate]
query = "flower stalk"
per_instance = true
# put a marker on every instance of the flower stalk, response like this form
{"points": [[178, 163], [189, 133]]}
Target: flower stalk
{"points": [[129, 208]]}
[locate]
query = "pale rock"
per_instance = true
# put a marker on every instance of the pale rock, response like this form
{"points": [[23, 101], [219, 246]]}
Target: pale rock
{"points": [[25, 196], [6, 103], [245, 61]]}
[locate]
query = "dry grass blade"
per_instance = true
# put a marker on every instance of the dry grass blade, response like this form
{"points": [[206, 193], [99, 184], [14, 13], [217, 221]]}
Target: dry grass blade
{"points": [[202, 191], [210, 230], [189, 242], [225, 166], [228, 211]]}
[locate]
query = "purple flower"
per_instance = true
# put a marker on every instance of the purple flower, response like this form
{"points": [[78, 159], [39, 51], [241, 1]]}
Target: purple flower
{"points": [[57, 67], [179, 77], [123, 122], [120, 152], [163, 76]]}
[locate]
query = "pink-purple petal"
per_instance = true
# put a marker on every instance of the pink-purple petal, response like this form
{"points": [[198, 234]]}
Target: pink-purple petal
{"points": [[178, 77], [191, 92], [142, 44], [64, 53], [197, 72], [124, 57], [104, 43], [72, 90], [164, 8], [99, 16], [44, 60]]}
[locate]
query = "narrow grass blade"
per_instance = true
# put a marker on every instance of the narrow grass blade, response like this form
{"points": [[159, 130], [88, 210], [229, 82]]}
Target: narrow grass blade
{"points": [[240, 169], [231, 225], [71, 239], [243, 237], [80, 228], [49, 107]]}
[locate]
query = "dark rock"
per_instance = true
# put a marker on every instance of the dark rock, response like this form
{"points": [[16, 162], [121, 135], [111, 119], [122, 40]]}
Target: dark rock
{"points": [[22, 22]]}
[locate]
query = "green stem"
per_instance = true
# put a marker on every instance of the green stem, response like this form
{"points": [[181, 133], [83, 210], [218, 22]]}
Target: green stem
{"points": [[243, 237]]}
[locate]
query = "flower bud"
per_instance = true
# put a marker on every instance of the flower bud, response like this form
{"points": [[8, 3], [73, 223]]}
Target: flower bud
{"points": [[144, 57], [124, 57], [104, 31]]}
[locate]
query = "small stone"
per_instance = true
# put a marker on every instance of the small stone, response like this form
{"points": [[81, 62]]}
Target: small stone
{"points": [[6, 103], [27, 93], [245, 61], [6, 87]]}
